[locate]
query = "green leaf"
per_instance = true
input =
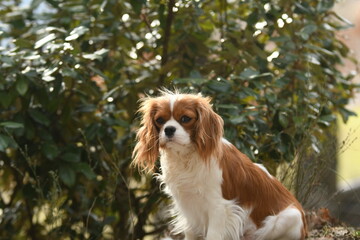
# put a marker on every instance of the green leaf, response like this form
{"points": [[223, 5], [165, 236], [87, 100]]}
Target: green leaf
{"points": [[111, 92], [11, 125], [97, 71], [320, 49], [266, 76], [327, 120], [87, 108], [325, 5], [302, 8], [306, 31], [7, 98], [237, 120], [67, 174], [76, 33], [282, 82], [23, 43], [137, 5], [116, 122], [4, 142], [286, 146], [248, 99], [69, 72], [309, 29], [281, 39], [283, 119], [219, 86], [39, 117], [345, 114], [271, 97], [312, 58], [35, 3], [315, 147], [6, 61], [227, 106], [347, 23], [22, 86], [92, 131], [47, 74], [44, 40], [71, 157], [193, 81], [248, 152], [96, 55], [50, 150], [85, 169], [248, 73]]}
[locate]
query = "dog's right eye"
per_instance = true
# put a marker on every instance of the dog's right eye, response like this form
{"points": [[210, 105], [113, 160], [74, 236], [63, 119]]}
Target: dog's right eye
{"points": [[160, 120]]}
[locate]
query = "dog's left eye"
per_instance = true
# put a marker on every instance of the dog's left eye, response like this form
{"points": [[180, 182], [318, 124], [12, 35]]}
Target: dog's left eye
{"points": [[185, 119], [160, 120]]}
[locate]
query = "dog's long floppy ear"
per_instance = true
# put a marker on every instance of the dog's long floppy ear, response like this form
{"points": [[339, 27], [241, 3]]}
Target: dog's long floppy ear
{"points": [[146, 151], [209, 130]]}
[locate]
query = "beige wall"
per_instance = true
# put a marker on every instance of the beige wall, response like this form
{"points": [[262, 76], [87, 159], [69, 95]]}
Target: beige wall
{"points": [[349, 152]]}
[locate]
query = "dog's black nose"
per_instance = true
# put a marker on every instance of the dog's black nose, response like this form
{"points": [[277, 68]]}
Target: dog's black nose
{"points": [[169, 131]]}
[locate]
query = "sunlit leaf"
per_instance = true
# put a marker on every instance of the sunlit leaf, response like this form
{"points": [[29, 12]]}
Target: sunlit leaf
{"points": [[47, 74], [96, 55], [76, 33], [45, 40]]}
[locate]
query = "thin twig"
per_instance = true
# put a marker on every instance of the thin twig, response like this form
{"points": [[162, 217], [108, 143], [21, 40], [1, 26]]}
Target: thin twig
{"points": [[89, 212]]}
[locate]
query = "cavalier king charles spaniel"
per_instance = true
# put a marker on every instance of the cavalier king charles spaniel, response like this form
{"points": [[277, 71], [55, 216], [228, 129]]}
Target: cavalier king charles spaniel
{"points": [[218, 193]]}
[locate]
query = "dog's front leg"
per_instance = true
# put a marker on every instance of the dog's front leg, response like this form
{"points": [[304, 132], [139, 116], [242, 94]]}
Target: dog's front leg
{"points": [[226, 221], [217, 220]]}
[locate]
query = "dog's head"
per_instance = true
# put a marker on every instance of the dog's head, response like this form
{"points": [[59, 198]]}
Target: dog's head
{"points": [[176, 122]]}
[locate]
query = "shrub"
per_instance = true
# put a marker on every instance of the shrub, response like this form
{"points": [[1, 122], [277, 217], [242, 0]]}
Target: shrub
{"points": [[72, 73]]}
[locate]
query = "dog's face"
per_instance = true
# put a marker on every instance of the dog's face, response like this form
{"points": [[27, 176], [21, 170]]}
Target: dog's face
{"points": [[173, 122], [176, 122]]}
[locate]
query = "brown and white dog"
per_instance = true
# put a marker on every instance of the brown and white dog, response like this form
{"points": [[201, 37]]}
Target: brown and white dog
{"points": [[218, 193]]}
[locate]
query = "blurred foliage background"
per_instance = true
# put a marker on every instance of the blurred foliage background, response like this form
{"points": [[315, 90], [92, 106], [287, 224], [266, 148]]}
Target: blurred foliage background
{"points": [[72, 72]]}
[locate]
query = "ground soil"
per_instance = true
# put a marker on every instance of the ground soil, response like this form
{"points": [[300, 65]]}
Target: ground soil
{"points": [[322, 226]]}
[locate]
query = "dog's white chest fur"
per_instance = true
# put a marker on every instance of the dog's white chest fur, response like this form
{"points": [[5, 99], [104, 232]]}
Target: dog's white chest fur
{"points": [[199, 206]]}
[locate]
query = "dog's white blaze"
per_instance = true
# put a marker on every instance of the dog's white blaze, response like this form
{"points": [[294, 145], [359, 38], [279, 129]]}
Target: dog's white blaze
{"points": [[172, 102]]}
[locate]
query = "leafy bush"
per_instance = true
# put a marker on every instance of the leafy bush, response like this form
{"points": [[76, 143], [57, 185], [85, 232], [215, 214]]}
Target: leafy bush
{"points": [[72, 72]]}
